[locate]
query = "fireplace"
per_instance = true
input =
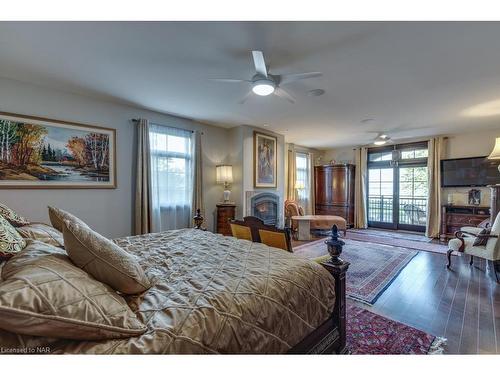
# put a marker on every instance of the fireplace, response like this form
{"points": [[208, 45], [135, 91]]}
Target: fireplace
{"points": [[265, 206]]}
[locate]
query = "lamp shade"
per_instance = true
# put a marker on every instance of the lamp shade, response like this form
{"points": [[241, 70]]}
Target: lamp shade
{"points": [[495, 154], [224, 173], [299, 185]]}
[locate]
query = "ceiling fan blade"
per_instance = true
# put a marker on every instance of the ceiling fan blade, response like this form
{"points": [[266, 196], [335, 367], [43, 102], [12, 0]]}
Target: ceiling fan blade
{"points": [[287, 78], [259, 62], [228, 80], [245, 98], [283, 94]]}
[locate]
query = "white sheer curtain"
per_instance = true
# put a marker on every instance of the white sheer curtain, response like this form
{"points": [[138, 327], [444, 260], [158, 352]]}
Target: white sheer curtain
{"points": [[172, 175], [303, 184]]}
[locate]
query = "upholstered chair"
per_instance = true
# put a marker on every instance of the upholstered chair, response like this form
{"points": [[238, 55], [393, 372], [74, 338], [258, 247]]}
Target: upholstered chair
{"points": [[241, 232], [464, 243]]}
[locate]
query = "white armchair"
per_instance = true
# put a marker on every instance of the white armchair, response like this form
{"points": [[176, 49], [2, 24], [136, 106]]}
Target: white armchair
{"points": [[464, 243]]}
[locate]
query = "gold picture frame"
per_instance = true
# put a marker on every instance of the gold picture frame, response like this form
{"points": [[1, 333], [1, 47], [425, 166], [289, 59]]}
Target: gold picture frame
{"points": [[42, 153], [265, 162]]}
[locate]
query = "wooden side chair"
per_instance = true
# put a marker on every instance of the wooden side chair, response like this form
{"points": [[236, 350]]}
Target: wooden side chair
{"points": [[241, 232], [277, 239], [266, 234]]}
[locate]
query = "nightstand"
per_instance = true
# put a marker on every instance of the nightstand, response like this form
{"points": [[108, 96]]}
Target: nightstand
{"points": [[225, 213]]}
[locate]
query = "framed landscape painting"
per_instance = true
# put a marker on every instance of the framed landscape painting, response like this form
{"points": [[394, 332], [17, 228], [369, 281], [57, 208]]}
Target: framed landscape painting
{"points": [[265, 164], [42, 153]]}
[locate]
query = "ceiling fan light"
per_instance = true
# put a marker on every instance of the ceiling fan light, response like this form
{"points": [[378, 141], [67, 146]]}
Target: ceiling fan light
{"points": [[380, 142], [263, 87]]}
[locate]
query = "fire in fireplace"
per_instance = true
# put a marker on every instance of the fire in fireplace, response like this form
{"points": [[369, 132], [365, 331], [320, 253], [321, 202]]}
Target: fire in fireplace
{"points": [[265, 207]]}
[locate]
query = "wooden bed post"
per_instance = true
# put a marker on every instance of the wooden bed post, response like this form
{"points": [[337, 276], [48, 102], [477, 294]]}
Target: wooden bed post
{"points": [[338, 268], [330, 337], [198, 219]]}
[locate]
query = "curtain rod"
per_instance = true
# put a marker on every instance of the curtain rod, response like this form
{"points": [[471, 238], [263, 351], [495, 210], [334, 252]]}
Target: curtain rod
{"points": [[405, 143], [192, 131]]}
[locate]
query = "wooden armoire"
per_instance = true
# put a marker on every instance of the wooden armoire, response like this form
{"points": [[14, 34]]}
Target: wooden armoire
{"points": [[334, 191]]}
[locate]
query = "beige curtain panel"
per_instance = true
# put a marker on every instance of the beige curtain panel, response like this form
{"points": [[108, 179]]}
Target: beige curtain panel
{"points": [[311, 203], [292, 175], [436, 150], [197, 176], [143, 201], [361, 174]]}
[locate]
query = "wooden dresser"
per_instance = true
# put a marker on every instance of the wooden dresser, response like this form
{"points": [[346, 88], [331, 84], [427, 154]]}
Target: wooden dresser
{"points": [[225, 213], [454, 217], [334, 191]]}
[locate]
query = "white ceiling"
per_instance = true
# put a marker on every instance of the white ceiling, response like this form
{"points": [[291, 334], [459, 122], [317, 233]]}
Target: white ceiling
{"points": [[402, 75]]}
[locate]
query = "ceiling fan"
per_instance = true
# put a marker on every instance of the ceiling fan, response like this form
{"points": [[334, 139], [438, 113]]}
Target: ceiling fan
{"points": [[264, 84], [382, 139]]}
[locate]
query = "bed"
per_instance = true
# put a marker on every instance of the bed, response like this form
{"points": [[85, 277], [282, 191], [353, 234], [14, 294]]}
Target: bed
{"points": [[215, 294]]}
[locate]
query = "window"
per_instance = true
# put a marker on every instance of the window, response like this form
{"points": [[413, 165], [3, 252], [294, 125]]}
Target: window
{"points": [[398, 186], [303, 177], [171, 176]]}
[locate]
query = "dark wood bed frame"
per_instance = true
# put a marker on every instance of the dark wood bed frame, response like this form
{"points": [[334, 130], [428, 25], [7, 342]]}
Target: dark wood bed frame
{"points": [[329, 337]]}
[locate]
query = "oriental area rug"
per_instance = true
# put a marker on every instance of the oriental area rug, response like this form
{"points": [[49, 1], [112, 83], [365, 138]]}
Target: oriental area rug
{"points": [[369, 333], [372, 267]]}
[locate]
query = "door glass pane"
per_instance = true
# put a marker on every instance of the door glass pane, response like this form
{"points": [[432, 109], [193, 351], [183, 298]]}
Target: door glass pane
{"points": [[413, 195], [380, 194], [380, 156]]}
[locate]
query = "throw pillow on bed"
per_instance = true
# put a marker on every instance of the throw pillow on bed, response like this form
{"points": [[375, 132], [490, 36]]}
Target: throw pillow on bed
{"points": [[57, 217], [103, 259], [49, 296], [42, 232], [12, 217], [11, 241]]}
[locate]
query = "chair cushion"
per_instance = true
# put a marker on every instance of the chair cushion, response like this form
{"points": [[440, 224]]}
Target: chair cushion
{"points": [[274, 239], [42, 232], [11, 241], [482, 237], [454, 244], [12, 217], [327, 221], [104, 259], [241, 232], [473, 230], [57, 217], [46, 295]]}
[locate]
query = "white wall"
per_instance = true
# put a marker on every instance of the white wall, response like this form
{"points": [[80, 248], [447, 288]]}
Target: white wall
{"points": [[242, 160], [479, 143], [109, 211]]}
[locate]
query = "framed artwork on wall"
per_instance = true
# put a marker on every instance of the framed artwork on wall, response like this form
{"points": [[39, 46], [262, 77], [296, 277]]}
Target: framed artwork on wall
{"points": [[265, 163], [40, 153]]}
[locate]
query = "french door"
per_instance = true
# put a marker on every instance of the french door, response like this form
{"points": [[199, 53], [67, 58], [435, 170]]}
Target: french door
{"points": [[397, 187]]}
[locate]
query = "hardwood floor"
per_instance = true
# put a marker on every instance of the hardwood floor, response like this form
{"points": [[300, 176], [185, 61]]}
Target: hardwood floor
{"points": [[461, 304]]}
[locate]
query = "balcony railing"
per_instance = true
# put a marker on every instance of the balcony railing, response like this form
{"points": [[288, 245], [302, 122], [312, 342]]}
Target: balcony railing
{"points": [[412, 210]]}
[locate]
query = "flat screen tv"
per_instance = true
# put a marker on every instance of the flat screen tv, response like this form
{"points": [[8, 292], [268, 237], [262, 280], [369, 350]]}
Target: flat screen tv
{"points": [[464, 172]]}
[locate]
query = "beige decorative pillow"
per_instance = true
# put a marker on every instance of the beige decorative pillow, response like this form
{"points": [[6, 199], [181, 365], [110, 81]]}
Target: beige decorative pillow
{"points": [[104, 259], [11, 242], [42, 232], [48, 296], [12, 217], [57, 217]]}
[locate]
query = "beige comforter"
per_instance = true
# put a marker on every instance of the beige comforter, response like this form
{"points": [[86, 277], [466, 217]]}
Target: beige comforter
{"points": [[213, 294]]}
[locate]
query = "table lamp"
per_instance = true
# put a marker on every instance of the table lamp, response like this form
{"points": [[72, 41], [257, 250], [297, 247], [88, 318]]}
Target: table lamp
{"points": [[299, 185], [225, 176], [495, 154]]}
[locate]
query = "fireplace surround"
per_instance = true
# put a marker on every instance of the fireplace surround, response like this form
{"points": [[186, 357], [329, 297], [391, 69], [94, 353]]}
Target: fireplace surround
{"points": [[265, 206]]}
